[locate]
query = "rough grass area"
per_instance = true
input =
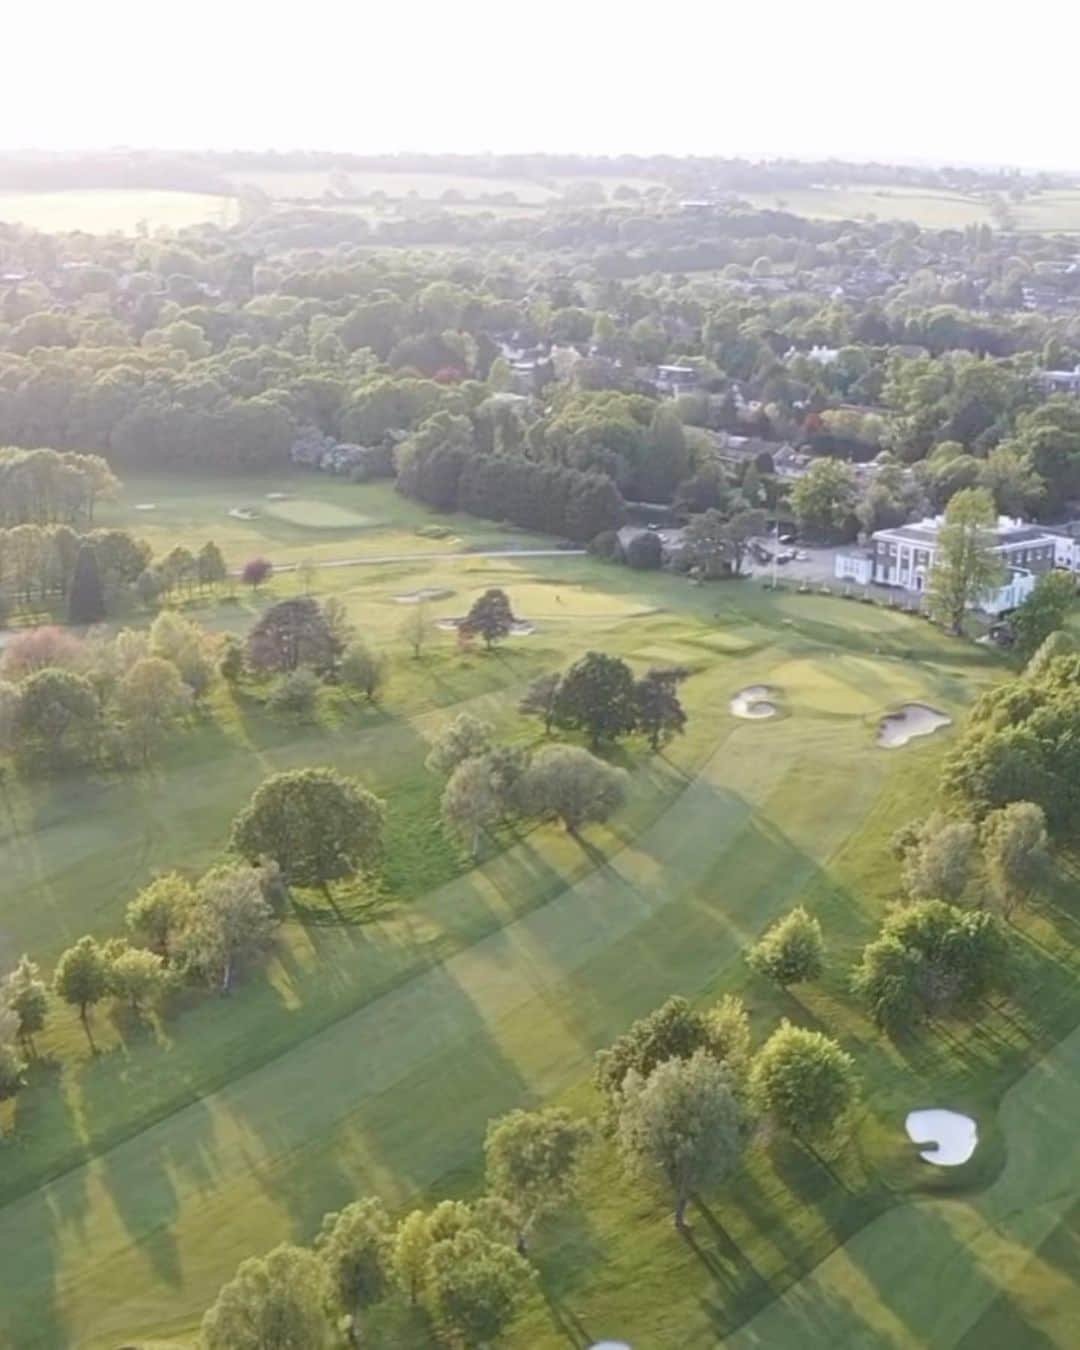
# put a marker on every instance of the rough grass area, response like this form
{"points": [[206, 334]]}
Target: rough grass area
{"points": [[370, 1054], [1045, 212]]}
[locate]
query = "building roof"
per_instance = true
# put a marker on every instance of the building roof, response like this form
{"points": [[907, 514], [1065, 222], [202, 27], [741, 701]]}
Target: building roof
{"points": [[1007, 532]]}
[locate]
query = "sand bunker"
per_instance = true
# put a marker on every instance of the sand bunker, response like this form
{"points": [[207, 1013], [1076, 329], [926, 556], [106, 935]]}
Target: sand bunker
{"points": [[424, 593], [146, 506], [950, 1136], [243, 513], [519, 628], [912, 719], [279, 496], [754, 702]]}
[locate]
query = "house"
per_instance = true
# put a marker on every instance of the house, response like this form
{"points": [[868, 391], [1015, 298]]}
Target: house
{"points": [[1058, 381], [674, 380], [904, 556]]}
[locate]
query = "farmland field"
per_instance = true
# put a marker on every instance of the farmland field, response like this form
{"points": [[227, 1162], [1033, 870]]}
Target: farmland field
{"points": [[104, 210], [935, 210], [284, 184], [370, 1054]]}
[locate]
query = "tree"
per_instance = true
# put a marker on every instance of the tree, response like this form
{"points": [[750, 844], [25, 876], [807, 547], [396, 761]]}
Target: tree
{"points": [[738, 531], [181, 641], [27, 996], [134, 974], [803, 1081], [1060, 643], [465, 738], [684, 1123], [307, 573], [410, 1251], [148, 698], [966, 571], [706, 541], [291, 634], [532, 1161], [295, 693], [931, 959], [362, 669], [317, 826], [791, 951], [1015, 851], [470, 801], [56, 720], [658, 712], [12, 1069], [229, 922], [210, 565], [596, 695], [824, 500], [81, 979], [1043, 612], [667, 460], [231, 660], [473, 1287], [672, 1031], [938, 859], [354, 1247], [273, 1302], [158, 912], [256, 571], [491, 616], [415, 627], [567, 782], [540, 697], [86, 598]]}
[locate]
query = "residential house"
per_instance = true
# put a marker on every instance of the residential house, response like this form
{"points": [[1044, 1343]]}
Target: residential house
{"points": [[1058, 381], [674, 380]]}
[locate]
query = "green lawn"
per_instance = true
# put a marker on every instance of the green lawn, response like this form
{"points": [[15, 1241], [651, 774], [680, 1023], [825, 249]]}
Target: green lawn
{"points": [[369, 1056], [1048, 212]]}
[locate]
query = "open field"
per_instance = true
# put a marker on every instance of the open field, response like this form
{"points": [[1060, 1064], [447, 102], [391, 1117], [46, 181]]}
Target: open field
{"points": [[370, 1054], [1050, 212], [103, 210]]}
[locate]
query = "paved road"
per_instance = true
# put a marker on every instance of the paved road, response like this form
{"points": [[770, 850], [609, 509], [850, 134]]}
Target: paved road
{"points": [[434, 557]]}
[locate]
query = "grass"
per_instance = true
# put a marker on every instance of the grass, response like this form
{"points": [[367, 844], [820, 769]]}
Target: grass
{"points": [[369, 1056], [1048, 212], [105, 210]]}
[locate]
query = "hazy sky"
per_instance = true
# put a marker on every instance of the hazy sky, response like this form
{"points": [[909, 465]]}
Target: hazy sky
{"points": [[949, 80]]}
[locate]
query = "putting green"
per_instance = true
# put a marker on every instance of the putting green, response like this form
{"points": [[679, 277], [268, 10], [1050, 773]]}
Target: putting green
{"points": [[316, 515]]}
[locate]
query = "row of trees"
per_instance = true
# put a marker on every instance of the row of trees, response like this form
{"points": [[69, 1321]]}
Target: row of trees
{"points": [[42, 487]]}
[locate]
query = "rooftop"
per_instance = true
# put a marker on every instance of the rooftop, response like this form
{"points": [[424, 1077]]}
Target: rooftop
{"points": [[1006, 531]]}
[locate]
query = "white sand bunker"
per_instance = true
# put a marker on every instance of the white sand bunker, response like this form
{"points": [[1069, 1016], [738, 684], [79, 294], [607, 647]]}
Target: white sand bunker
{"points": [[424, 593], [146, 506], [519, 628], [754, 702], [279, 496], [913, 719], [243, 513], [951, 1137]]}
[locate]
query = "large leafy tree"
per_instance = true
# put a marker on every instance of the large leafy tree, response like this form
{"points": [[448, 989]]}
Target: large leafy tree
{"points": [[148, 699], [684, 1123], [25, 993], [824, 500], [229, 922], [1043, 612], [966, 570], [791, 951], [355, 1248], [56, 720], [532, 1162], [567, 782], [465, 738], [81, 978], [157, 912], [470, 800], [659, 713], [317, 826], [596, 695], [474, 1286], [1015, 851], [273, 1302], [290, 634], [490, 616], [804, 1082], [672, 1031]]}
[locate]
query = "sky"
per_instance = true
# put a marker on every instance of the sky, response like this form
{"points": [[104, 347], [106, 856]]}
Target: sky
{"points": [[942, 82]]}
